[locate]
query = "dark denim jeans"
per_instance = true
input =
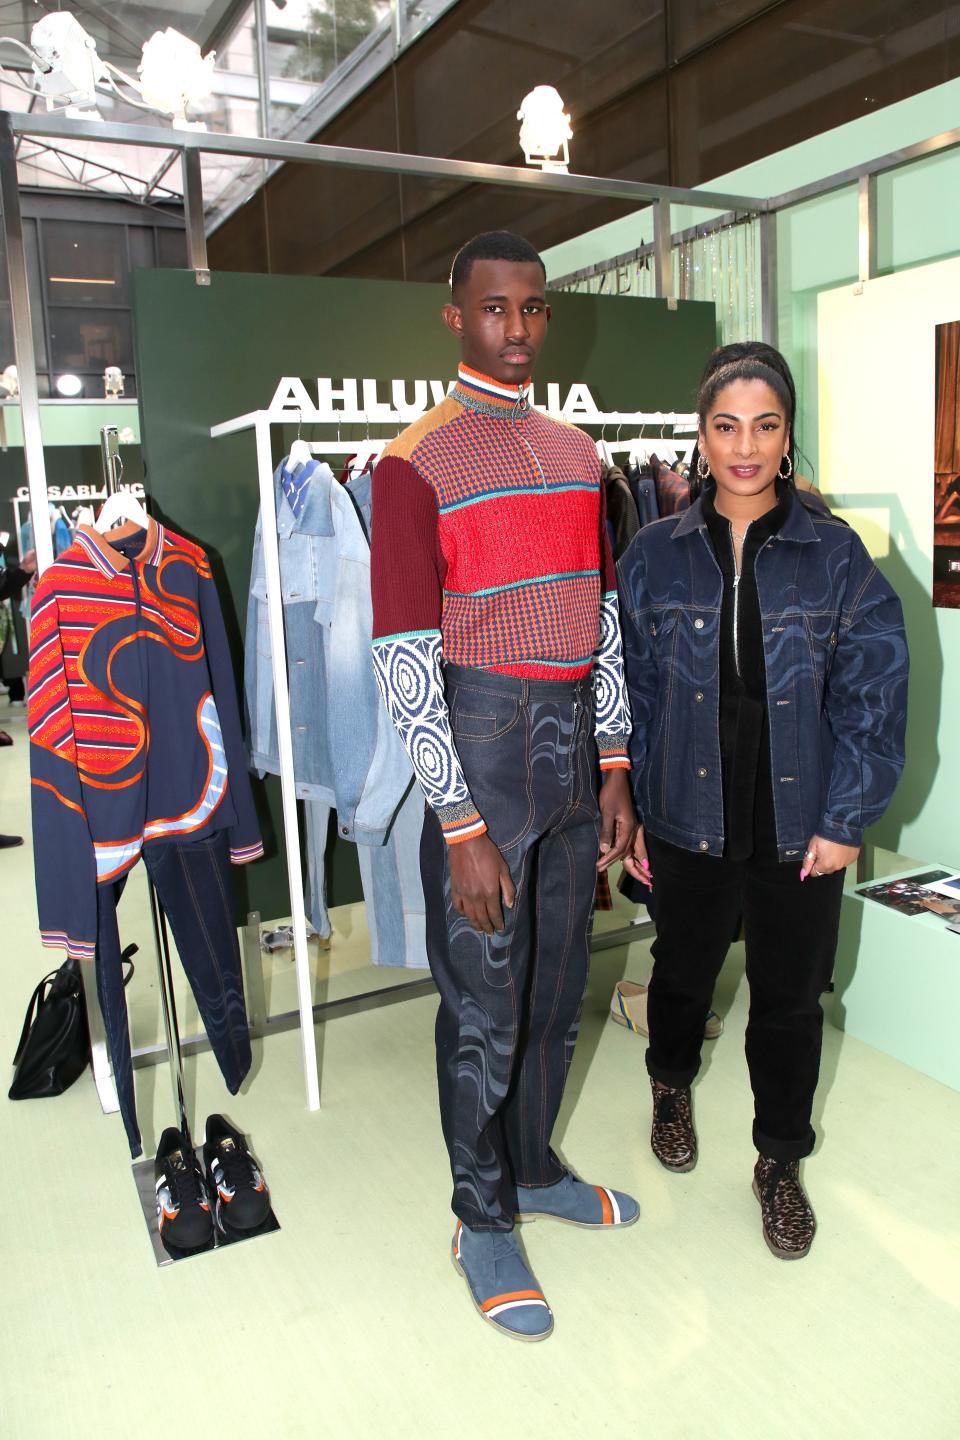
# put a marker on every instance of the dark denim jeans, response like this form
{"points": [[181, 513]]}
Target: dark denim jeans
{"points": [[194, 882], [790, 931], [510, 1003]]}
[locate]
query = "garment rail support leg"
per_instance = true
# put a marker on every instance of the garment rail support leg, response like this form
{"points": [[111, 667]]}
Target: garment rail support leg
{"points": [[281, 697], [253, 987], [99, 1054], [168, 1005]]}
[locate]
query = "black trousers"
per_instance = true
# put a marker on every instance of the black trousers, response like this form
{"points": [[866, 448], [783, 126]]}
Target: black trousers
{"points": [[510, 1003], [194, 882], [790, 930]]}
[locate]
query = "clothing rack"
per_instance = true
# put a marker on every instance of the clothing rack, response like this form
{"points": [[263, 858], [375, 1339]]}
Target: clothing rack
{"points": [[100, 1061], [261, 422], [262, 425]]}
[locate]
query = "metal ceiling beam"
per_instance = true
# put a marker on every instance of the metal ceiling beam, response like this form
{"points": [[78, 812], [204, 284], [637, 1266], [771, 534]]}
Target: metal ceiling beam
{"points": [[467, 172], [936, 145]]}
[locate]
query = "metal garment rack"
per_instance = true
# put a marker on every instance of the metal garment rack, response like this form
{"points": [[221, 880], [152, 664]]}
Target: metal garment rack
{"points": [[100, 1062]]}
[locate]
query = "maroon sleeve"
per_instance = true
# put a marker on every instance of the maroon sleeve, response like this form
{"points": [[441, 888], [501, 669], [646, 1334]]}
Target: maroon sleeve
{"points": [[406, 571]]}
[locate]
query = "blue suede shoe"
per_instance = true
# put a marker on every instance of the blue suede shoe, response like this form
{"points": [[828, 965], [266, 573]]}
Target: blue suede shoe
{"points": [[501, 1286], [574, 1201]]}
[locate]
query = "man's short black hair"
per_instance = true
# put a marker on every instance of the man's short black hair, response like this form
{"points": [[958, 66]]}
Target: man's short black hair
{"points": [[492, 245]]}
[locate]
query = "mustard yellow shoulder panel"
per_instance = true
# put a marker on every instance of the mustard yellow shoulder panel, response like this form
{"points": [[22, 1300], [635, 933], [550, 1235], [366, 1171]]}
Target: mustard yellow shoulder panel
{"points": [[408, 440]]}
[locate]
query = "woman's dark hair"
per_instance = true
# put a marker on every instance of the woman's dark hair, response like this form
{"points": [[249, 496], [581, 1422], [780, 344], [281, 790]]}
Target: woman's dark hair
{"points": [[744, 360]]}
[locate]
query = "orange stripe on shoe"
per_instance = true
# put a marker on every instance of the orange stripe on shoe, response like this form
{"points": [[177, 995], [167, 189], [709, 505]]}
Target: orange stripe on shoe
{"points": [[513, 1295], [606, 1208]]}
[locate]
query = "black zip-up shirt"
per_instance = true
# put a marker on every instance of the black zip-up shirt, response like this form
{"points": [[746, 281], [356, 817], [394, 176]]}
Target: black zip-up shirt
{"points": [[749, 823]]}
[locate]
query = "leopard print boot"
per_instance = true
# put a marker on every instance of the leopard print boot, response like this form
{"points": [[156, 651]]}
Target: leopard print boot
{"points": [[789, 1224], [673, 1139]]}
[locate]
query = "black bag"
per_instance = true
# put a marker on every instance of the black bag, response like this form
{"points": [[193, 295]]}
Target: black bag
{"points": [[54, 1043]]}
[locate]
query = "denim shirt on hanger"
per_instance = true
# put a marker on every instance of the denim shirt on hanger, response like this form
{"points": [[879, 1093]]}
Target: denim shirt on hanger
{"points": [[346, 751]]}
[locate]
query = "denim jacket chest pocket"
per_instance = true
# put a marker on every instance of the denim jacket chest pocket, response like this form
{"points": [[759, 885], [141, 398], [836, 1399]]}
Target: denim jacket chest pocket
{"points": [[822, 632], [308, 568]]}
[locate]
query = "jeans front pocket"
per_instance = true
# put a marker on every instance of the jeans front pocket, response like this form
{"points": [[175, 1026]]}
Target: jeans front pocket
{"points": [[477, 714]]}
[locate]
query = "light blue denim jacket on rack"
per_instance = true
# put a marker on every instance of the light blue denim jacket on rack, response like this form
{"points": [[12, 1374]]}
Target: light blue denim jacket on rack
{"points": [[346, 751]]}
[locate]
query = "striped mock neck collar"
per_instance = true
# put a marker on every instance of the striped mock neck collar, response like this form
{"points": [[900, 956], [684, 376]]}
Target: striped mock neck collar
{"points": [[112, 562], [491, 397]]}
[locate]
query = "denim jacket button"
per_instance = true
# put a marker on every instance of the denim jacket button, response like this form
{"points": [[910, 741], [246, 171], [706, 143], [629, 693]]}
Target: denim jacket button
{"points": [[699, 697], [704, 844], [698, 623], [344, 829], [702, 772]]}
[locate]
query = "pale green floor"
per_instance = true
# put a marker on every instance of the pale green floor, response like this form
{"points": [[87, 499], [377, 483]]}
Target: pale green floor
{"points": [[351, 1321]]}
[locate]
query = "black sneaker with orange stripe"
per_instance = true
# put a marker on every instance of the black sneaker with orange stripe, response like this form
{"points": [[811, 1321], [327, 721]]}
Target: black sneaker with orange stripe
{"points": [[183, 1206], [243, 1200]]}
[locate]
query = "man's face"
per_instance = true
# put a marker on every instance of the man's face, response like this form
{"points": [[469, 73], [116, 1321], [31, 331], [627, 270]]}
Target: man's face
{"points": [[500, 316]]}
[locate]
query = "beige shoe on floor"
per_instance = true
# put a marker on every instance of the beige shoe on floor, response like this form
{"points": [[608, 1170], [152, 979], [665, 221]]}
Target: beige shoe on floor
{"points": [[628, 1006]]}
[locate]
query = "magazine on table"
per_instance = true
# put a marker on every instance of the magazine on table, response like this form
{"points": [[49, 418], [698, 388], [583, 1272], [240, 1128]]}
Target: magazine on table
{"points": [[935, 892]]}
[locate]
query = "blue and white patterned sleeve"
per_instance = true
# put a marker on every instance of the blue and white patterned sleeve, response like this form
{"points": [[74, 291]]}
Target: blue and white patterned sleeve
{"points": [[410, 679], [612, 725]]}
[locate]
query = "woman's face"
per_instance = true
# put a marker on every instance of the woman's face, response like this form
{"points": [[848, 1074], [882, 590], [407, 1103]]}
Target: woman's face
{"points": [[745, 437]]}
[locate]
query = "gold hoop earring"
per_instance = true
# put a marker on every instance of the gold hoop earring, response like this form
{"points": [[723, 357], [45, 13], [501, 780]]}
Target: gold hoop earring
{"points": [[788, 474]]}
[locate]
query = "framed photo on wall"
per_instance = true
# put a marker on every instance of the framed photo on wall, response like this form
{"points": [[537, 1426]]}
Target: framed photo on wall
{"points": [[946, 466]]}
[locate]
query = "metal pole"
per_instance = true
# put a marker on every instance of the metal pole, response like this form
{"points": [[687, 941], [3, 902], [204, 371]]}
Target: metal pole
{"points": [[193, 214], [662, 250], [23, 344], [168, 1005], [867, 227], [769, 298], [109, 455], [263, 67], [288, 789]]}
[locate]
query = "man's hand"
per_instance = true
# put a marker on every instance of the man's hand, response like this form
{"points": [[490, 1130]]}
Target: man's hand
{"points": [[825, 857], [479, 879], [618, 820]]}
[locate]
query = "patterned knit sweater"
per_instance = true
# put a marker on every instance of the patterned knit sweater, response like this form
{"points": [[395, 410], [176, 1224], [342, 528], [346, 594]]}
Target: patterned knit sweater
{"points": [[490, 550]]}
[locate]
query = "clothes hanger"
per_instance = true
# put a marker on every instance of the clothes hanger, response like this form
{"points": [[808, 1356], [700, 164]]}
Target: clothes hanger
{"points": [[637, 451], [118, 508], [300, 451], [603, 449]]}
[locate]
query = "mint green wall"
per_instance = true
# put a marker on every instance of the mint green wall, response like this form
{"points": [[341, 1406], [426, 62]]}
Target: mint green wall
{"points": [[918, 220]]}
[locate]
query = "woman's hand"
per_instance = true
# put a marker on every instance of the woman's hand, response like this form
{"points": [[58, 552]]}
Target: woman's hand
{"points": [[825, 857], [636, 862]]}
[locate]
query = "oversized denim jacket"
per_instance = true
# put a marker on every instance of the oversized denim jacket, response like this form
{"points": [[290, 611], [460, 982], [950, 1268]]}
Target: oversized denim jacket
{"points": [[836, 675], [346, 751]]}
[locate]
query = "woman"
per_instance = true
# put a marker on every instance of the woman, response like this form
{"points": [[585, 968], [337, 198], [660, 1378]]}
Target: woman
{"points": [[767, 668], [756, 350]]}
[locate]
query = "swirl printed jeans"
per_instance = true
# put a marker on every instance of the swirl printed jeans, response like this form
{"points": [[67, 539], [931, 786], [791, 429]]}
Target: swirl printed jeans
{"points": [[510, 1003]]}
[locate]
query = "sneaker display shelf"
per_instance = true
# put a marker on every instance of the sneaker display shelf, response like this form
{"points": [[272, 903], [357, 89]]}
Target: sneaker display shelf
{"points": [[897, 981]]}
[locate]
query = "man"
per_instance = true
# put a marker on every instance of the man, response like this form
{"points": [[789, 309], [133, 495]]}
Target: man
{"points": [[497, 651]]}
